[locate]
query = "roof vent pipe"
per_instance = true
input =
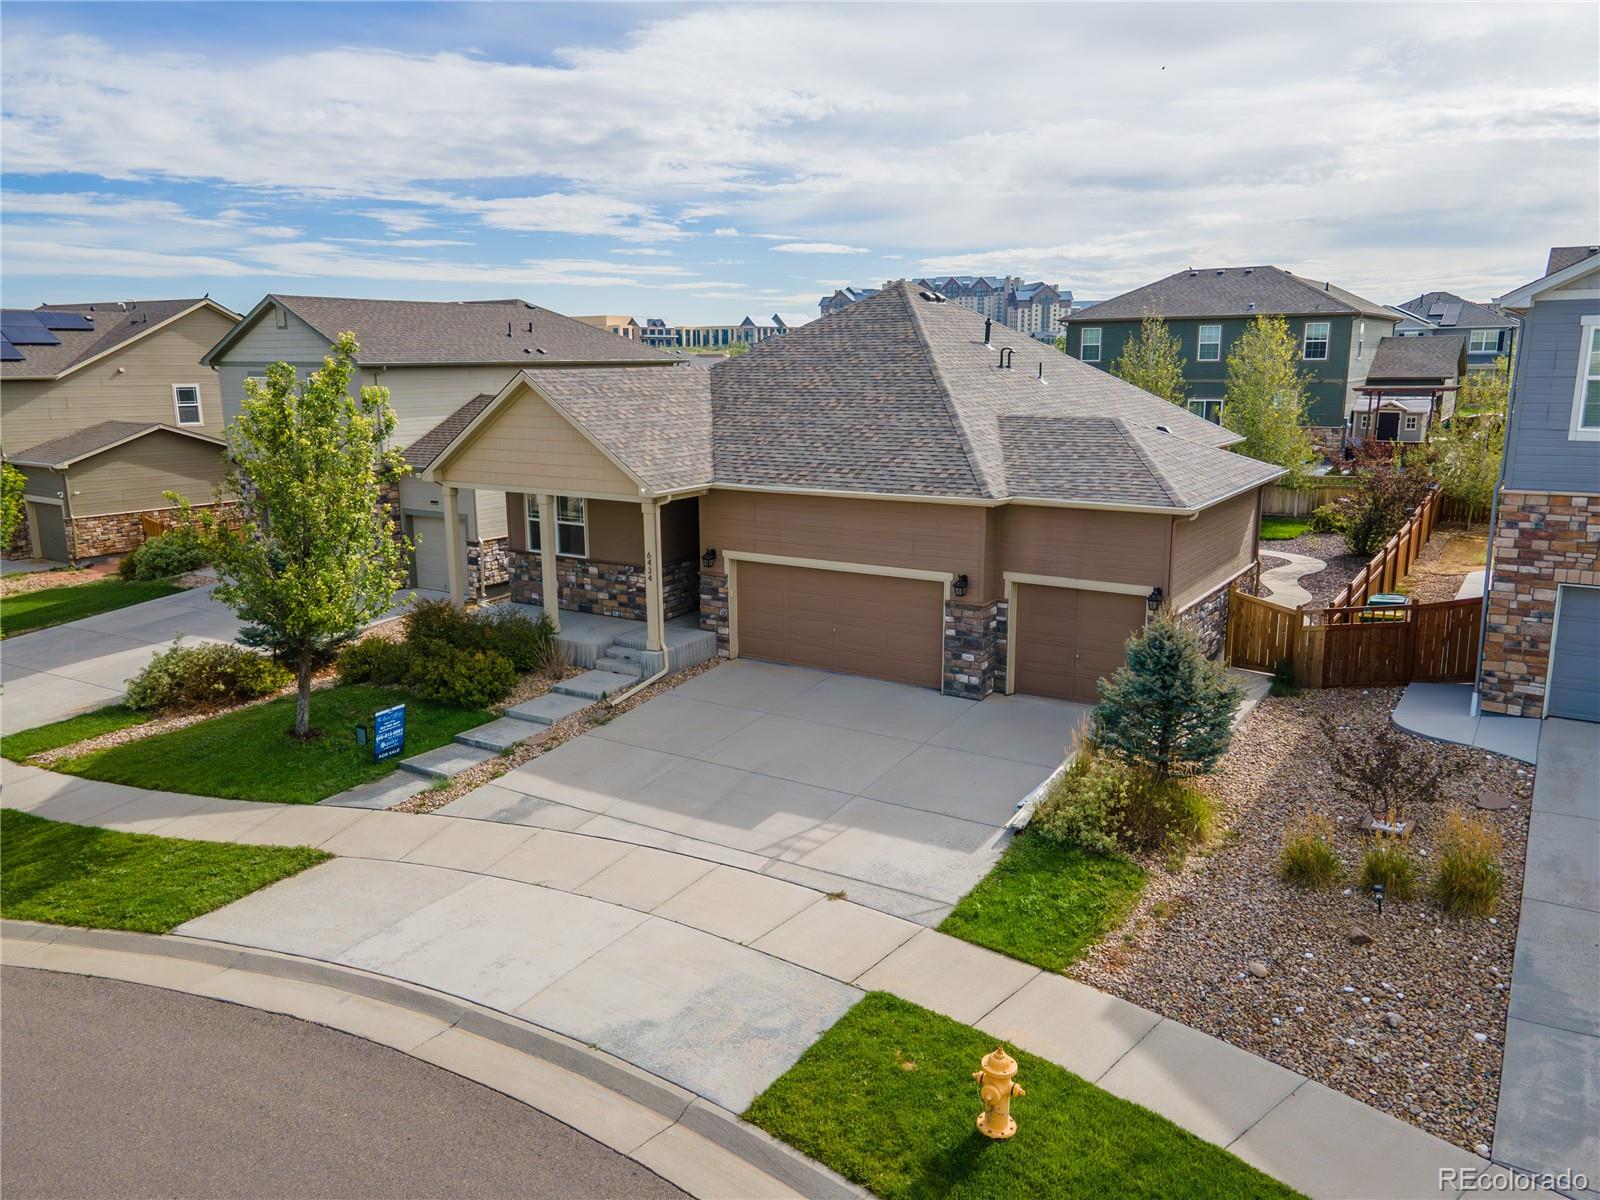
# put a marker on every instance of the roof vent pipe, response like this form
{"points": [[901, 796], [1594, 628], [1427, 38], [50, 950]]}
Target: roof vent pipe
{"points": [[508, 328], [1005, 358], [1326, 287], [1041, 372], [988, 326]]}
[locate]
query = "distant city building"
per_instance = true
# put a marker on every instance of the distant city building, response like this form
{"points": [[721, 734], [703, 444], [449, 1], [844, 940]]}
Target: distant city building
{"points": [[1032, 308], [621, 326], [654, 331], [1490, 331]]}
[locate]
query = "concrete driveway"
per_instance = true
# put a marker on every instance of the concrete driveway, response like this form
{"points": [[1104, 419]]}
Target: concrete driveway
{"points": [[895, 795]]}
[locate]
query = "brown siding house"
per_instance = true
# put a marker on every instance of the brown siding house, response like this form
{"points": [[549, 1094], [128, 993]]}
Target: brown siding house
{"points": [[899, 490]]}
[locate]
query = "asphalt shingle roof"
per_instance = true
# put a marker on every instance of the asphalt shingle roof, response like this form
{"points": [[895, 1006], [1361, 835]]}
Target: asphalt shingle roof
{"points": [[899, 395], [1232, 292], [1562, 257], [113, 324], [421, 453], [1440, 357], [490, 331], [91, 440], [1465, 314]]}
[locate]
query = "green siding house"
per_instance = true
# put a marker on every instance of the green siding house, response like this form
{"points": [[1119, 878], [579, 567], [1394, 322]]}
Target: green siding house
{"points": [[1338, 332]]}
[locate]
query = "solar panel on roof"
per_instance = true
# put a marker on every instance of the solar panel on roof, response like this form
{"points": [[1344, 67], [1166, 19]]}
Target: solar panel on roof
{"points": [[21, 332], [65, 320], [8, 352]]}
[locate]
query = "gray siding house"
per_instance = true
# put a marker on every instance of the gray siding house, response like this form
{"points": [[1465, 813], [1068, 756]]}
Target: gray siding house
{"points": [[1489, 331], [1541, 645]]}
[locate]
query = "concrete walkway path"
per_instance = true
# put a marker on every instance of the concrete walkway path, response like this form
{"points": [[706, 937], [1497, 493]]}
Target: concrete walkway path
{"points": [[1443, 712], [1549, 1114], [654, 956], [1281, 584]]}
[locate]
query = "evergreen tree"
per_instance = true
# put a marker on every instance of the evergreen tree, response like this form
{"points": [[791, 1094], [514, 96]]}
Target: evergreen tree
{"points": [[1168, 709], [1150, 360], [1265, 402]]}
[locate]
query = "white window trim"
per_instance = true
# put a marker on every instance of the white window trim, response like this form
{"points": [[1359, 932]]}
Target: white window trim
{"points": [[1411, 423], [199, 404], [531, 503], [1099, 342], [1494, 344], [1200, 344], [1326, 340], [1576, 431]]}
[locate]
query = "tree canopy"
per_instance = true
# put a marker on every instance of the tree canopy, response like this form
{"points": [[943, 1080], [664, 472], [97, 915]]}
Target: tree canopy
{"points": [[1265, 401], [1151, 360]]}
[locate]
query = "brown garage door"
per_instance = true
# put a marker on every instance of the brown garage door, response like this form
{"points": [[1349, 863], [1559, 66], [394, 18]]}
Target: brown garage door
{"points": [[875, 625], [1066, 639]]}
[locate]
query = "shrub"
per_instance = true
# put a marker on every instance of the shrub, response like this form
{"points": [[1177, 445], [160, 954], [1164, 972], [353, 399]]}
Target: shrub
{"points": [[1469, 878], [1389, 494], [375, 660], [1283, 678], [440, 621], [176, 552], [463, 677], [1390, 864], [213, 673], [1309, 859], [529, 644], [1104, 805], [1333, 517]]}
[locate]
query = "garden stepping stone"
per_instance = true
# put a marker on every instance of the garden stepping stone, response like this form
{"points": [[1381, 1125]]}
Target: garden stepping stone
{"points": [[594, 684], [498, 735], [446, 761], [548, 709], [380, 793]]}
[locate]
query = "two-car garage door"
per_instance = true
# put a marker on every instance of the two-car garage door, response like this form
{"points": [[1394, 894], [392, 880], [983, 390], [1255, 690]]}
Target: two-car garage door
{"points": [[1066, 639]]}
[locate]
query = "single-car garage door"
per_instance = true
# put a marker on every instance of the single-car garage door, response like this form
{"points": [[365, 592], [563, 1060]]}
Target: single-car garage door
{"points": [[1066, 639], [50, 532], [432, 569], [878, 625], [1575, 657]]}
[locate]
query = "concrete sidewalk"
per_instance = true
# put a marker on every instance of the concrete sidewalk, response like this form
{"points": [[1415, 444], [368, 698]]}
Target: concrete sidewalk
{"points": [[1443, 712], [1549, 1114], [653, 956]]}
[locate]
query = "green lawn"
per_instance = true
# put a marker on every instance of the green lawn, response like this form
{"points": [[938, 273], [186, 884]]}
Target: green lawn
{"points": [[28, 611], [79, 875], [1283, 529], [18, 746], [1044, 903], [886, 1098], [249, 755]]}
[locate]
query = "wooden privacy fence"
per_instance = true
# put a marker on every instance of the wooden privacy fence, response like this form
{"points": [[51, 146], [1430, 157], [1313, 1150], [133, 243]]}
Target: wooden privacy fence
{"points": [[1356, 647], [1390, 564], [1279, 501]]}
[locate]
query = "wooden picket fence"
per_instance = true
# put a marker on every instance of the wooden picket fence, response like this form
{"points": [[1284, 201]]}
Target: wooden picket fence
{"points": [[1280, 501], [1391, 564], [1356, 646]]}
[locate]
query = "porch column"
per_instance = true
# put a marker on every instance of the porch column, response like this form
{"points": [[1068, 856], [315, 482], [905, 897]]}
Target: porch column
{"points": [[453, 549], [653, 603], [549, 582]]}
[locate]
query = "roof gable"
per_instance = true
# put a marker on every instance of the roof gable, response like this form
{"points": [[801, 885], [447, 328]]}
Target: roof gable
{"points": [[1419, 358], [1233, 292], [60, 453], [99, 329]]}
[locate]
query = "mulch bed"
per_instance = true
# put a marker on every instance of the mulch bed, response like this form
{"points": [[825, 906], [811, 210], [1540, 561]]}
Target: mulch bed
{"points": [[1322, 1008]]}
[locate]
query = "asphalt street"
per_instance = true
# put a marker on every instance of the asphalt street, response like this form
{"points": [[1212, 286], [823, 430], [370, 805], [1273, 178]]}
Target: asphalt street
{"points": [[112, 1089]]}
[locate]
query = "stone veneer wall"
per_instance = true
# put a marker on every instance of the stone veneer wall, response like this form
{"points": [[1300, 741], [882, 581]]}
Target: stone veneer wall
{"points": [[488, 563], [1208, 616], [974, 648], [117, 533], [21, 538], [680, 588], [714, 608], [1541, 540], [607, 589]]}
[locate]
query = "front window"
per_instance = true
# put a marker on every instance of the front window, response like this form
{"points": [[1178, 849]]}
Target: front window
{"points": [[1315, 347], [1210, 343], [1411, 424], [186, 399], [1211, 410], [1484, 341], [572, 529], [1586, 396], [1089, 345]]}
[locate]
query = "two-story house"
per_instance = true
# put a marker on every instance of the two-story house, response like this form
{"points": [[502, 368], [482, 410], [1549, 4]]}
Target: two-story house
{"points": [[104, 408], [1337, 331], [1490, 331], [438, 360], [1541, 634]]}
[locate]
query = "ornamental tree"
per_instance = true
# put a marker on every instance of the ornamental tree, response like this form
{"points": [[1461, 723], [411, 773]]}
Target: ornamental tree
{"points": [[1265, 401], [1168, 709], [12, 485], [1150, 360], [316, 558]]}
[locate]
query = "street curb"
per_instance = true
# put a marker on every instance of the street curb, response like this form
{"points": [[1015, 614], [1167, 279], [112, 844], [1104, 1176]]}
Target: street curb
{"points": [[752, 1146]]}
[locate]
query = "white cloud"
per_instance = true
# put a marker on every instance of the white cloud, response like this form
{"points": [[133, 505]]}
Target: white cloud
{"points": [[642, 251], [817, 248], [725, 231], [398, 220], [558, 212]]}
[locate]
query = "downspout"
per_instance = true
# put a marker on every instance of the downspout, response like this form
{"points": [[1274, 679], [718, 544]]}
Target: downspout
{"points": [[1475, 706]]}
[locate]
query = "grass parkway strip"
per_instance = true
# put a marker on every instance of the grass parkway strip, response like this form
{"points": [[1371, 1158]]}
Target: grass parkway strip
{"points": [[27, 742], [27, 611]]}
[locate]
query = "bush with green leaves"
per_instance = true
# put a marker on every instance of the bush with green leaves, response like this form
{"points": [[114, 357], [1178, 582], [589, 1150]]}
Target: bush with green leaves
{"points": [[1469, 879], [529, 644], [1333, 517], [176, 552], [1105, 805], [1308, 858], [375, 660], [453, 675], [205, 675], [1389, 863]]}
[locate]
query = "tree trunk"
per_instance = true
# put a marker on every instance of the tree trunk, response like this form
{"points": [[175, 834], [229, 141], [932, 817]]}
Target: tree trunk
{"points": [[302, 700]]}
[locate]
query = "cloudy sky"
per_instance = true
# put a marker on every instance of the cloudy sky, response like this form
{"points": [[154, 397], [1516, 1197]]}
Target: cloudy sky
{"points": [[701, 163]]}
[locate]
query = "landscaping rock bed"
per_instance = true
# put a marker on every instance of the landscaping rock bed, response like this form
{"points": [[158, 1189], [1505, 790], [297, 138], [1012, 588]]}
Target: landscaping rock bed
{"points": [[1443, 564], [1405, 1012], [1327, 583]]}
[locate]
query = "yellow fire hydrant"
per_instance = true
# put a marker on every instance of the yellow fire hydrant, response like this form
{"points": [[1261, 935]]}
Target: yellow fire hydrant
{"points": [[997, 1084]]}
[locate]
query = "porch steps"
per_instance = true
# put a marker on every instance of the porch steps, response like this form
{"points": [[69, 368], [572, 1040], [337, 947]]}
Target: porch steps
{"points": [[628, 654], [445, 761], [617, 666], [547, 709], [591, 685]]}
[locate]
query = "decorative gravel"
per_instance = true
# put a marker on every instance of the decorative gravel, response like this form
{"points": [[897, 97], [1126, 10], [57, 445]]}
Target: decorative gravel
{"points": [[1327, 583], [1323, 1006]]}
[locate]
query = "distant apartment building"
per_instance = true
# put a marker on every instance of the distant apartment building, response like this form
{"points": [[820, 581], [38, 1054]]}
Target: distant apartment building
{"points": [[621, 326], [656, 332], [1032, 308]]}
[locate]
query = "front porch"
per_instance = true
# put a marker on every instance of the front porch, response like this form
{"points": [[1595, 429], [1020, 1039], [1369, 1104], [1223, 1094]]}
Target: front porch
{"points": [[592, 641]]}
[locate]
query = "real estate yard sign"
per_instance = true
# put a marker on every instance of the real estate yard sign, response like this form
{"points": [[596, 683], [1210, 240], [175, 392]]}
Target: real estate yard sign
{"points": [[388, 732]]}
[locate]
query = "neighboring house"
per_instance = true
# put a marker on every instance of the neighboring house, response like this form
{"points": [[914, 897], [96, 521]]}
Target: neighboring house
{"points": [[1490, 332], [435, 358], [104, 371], [1411, 386], [1337, 331], [621, 326], [1541, 640], [881, 493], [656, 332], [1032, 308]]}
